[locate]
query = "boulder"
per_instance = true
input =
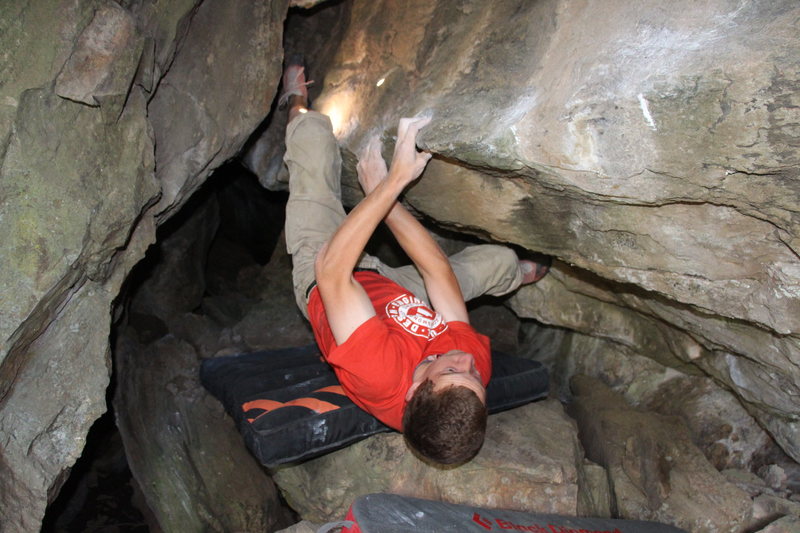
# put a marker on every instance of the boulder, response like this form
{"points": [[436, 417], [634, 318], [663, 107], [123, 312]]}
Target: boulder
{"points": [[655, 471], [75, 181], [313, 34], [747, 481], [304, 526], [726, 433], [768, 508], [530, 461], [787, 524], [191, 464], [221, 83], [594, 496], [720, 426], [196, 474], [105, 54], [87, 108], [663, 332], [44, 432], [175, 283]]}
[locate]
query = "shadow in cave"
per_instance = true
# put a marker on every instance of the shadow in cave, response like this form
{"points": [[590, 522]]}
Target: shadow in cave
{"points": [[100, 493]]}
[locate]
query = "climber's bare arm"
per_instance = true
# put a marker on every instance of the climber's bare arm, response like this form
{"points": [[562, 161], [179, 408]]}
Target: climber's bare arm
{"points": [[346, 303], [434, 266]]}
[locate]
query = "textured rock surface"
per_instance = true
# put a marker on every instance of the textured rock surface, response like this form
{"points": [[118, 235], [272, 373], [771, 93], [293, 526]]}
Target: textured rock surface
{"points": [[42, 417], [104, 55], [728, 435], [529, 462], [177, 437], [655, 471], [221, 82], [594, 307], [311, 35], [594, 498], [302, 527], [787, 524], [85, 94], [74, 181], [769, 507]]}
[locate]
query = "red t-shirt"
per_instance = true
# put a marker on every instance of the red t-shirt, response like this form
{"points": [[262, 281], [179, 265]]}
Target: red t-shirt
{"points": [[375, 364]]}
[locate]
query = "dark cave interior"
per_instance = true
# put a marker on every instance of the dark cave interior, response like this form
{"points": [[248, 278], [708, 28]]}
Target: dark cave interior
{"points": [[100, 493]]}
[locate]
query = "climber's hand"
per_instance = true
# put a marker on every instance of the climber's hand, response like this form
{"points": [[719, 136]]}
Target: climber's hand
{"points": [[371, 167], [407, 162]]}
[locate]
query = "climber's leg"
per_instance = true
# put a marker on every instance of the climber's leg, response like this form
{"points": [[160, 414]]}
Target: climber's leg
{"points": [[314, 209], [482, 269]]}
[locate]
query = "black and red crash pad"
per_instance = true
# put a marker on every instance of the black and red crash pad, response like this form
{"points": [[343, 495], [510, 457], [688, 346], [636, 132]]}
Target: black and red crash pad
{"points": [[390, 513], [289, 406]]}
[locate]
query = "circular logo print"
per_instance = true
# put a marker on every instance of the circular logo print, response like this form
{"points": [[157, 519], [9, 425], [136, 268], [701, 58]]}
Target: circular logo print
{"points": [[415, 317]]}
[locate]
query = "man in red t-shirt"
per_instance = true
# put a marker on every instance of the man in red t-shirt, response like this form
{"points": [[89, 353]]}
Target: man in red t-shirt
{"points": [[398, 339]]}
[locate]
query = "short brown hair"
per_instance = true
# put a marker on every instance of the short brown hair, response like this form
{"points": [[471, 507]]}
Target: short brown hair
{"points": [[446, 426]]}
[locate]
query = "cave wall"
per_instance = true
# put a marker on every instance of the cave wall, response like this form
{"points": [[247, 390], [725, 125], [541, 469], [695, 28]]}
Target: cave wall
{"points": [[111, 115]]}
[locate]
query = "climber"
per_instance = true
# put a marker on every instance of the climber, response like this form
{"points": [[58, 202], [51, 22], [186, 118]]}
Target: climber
{"points": [[398, 339]]}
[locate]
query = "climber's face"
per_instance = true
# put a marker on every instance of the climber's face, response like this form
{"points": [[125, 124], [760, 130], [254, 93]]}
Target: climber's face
{"points": [[454, 368]]}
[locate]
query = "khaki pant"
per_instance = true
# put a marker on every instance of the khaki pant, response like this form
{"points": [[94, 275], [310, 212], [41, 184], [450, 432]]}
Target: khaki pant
{"points": [[314, 212]]}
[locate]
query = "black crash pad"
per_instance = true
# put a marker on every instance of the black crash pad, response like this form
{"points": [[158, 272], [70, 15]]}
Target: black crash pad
{"points": [[289, 407]]}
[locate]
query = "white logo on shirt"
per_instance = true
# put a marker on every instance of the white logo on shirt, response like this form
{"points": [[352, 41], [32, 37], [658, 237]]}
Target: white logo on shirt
{"points": [[415, 317]]}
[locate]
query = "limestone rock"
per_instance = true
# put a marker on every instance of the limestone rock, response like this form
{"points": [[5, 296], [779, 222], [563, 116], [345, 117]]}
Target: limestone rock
{"points": [[747, 481], [69, 236], [774, 476], [720, 426], [768, 507], [655, 470], [652, 151], [186, 454], [305, 3], [677, 338], [59, 227], [178, 284], [787, 524], [312, 37], [78, 101], [728, 435], [32, 57], [273, 320], [217, 99], [304, 526], [194, 469], [594, 495], [106, 52], [529, 462], [44, 432]]}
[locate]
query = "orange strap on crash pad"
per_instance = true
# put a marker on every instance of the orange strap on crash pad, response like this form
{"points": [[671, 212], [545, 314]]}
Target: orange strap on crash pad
{"points": [[318, 406]]}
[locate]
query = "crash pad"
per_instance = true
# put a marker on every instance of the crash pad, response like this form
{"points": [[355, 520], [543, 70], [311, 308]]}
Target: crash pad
{"points": [[289, 406], [390, 513]]}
